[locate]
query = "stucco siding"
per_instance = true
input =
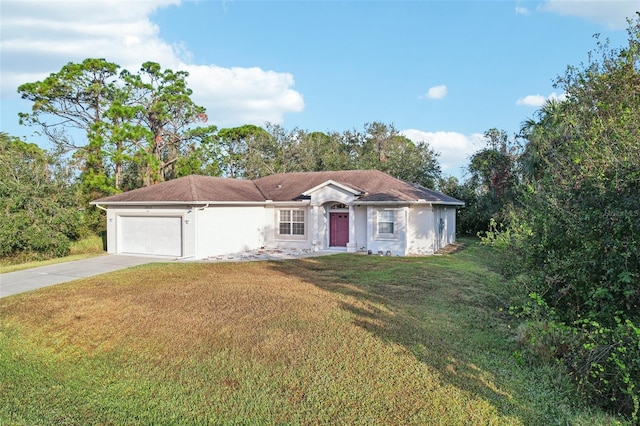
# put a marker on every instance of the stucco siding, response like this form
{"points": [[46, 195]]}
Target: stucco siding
{"points": [[395, 244], [450, 227], [445, 226], [420, 234], [223, 229], [229, 229]]}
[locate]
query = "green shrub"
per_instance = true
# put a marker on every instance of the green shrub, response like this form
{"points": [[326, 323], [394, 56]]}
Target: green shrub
{"points": [[39, 216], [606, 364], [604, 361]]}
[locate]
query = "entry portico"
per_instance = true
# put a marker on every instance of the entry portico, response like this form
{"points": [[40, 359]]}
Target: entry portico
{"points": [[336, 201]]}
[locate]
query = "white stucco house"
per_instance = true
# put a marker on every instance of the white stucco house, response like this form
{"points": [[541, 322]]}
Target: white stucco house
{"points": [[354, 210]]}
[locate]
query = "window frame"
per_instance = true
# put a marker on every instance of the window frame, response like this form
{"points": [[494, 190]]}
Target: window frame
{"points": [[293, 222], [394, 224]]}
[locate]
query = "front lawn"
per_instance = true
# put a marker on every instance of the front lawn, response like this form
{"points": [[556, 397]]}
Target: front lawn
{"points": [[344, 339]]}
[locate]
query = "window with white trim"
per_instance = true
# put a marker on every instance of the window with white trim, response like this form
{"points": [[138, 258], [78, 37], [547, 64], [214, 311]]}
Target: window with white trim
{"points": [[386, 222], [291, 222]]}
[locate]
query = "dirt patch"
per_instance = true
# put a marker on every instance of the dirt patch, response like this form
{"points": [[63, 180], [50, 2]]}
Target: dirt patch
{"points": [[451, 248]]}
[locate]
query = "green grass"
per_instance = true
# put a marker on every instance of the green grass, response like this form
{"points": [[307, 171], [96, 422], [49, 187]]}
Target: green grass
{"points": [[81, 249], [345, 339]]}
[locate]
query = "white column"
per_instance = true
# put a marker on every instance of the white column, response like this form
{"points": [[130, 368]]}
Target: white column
{"points": [[315, 240], [351, 245]]}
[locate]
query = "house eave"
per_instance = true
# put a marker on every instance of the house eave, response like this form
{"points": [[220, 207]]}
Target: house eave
{"points": [[288, 203], [177, 203], [405, 202]]}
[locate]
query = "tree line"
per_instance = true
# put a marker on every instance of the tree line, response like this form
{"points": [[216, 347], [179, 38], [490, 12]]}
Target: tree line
{"points": [[562, 201], [127, 130]]}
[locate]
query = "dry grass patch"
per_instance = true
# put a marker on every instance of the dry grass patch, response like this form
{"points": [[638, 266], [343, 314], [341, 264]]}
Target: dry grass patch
{"points": [[179, 310], [343, 339]]}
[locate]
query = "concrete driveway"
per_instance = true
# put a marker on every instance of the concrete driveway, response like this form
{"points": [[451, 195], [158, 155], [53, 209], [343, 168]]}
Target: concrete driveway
{"points": [[31, 279]]}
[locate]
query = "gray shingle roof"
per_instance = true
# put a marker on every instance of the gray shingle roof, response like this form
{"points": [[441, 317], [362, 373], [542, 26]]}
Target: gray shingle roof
{"points": [[193, 188], [373, 185]]}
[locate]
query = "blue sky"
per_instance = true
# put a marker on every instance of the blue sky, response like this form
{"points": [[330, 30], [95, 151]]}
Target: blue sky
{"points": [[440, 71]]}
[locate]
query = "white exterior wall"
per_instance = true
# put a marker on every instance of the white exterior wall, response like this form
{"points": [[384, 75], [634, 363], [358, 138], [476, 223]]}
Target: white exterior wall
{"points": [[217, 230], [185, 214], [396, 244], [421, 232], [450, 224], [444, 225], [228, 229]]}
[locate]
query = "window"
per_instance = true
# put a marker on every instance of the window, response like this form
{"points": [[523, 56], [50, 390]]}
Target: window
{"points": [[291, 222], [386, 221]]}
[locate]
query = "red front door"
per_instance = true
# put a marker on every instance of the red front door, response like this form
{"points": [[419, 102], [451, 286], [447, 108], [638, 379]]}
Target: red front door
{"points": [[338, 229]]}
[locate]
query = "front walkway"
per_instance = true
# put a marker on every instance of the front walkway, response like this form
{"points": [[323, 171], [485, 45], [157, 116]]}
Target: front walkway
{"points": [[270, 254]]}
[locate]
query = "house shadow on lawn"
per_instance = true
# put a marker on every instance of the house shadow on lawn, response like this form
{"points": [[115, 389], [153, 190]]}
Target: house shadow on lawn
{"points": [[438, 308]]}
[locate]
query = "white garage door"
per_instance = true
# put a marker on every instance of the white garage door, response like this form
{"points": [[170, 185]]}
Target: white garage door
{"points": [[151, 235]]}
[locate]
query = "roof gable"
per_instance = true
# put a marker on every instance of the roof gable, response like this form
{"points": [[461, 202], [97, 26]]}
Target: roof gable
{"points": [[330, 182]]}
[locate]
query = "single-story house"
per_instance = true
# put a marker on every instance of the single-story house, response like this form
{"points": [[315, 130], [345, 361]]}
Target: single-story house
{"points": [[353, 210]]}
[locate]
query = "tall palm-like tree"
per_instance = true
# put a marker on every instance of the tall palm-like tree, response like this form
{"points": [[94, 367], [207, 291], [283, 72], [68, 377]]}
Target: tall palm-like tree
{"points": [[547, 135]]}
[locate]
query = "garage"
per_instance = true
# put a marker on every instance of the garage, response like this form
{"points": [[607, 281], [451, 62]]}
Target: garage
{"points": [[150, 235]]}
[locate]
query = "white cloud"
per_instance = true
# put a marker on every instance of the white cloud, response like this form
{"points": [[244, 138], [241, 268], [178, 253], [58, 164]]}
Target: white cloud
{"points": [[532, 100], [521, 10], [454, 148], [39, 37], [610, 13], [539, 100], [236, 96], [436, 92]]}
